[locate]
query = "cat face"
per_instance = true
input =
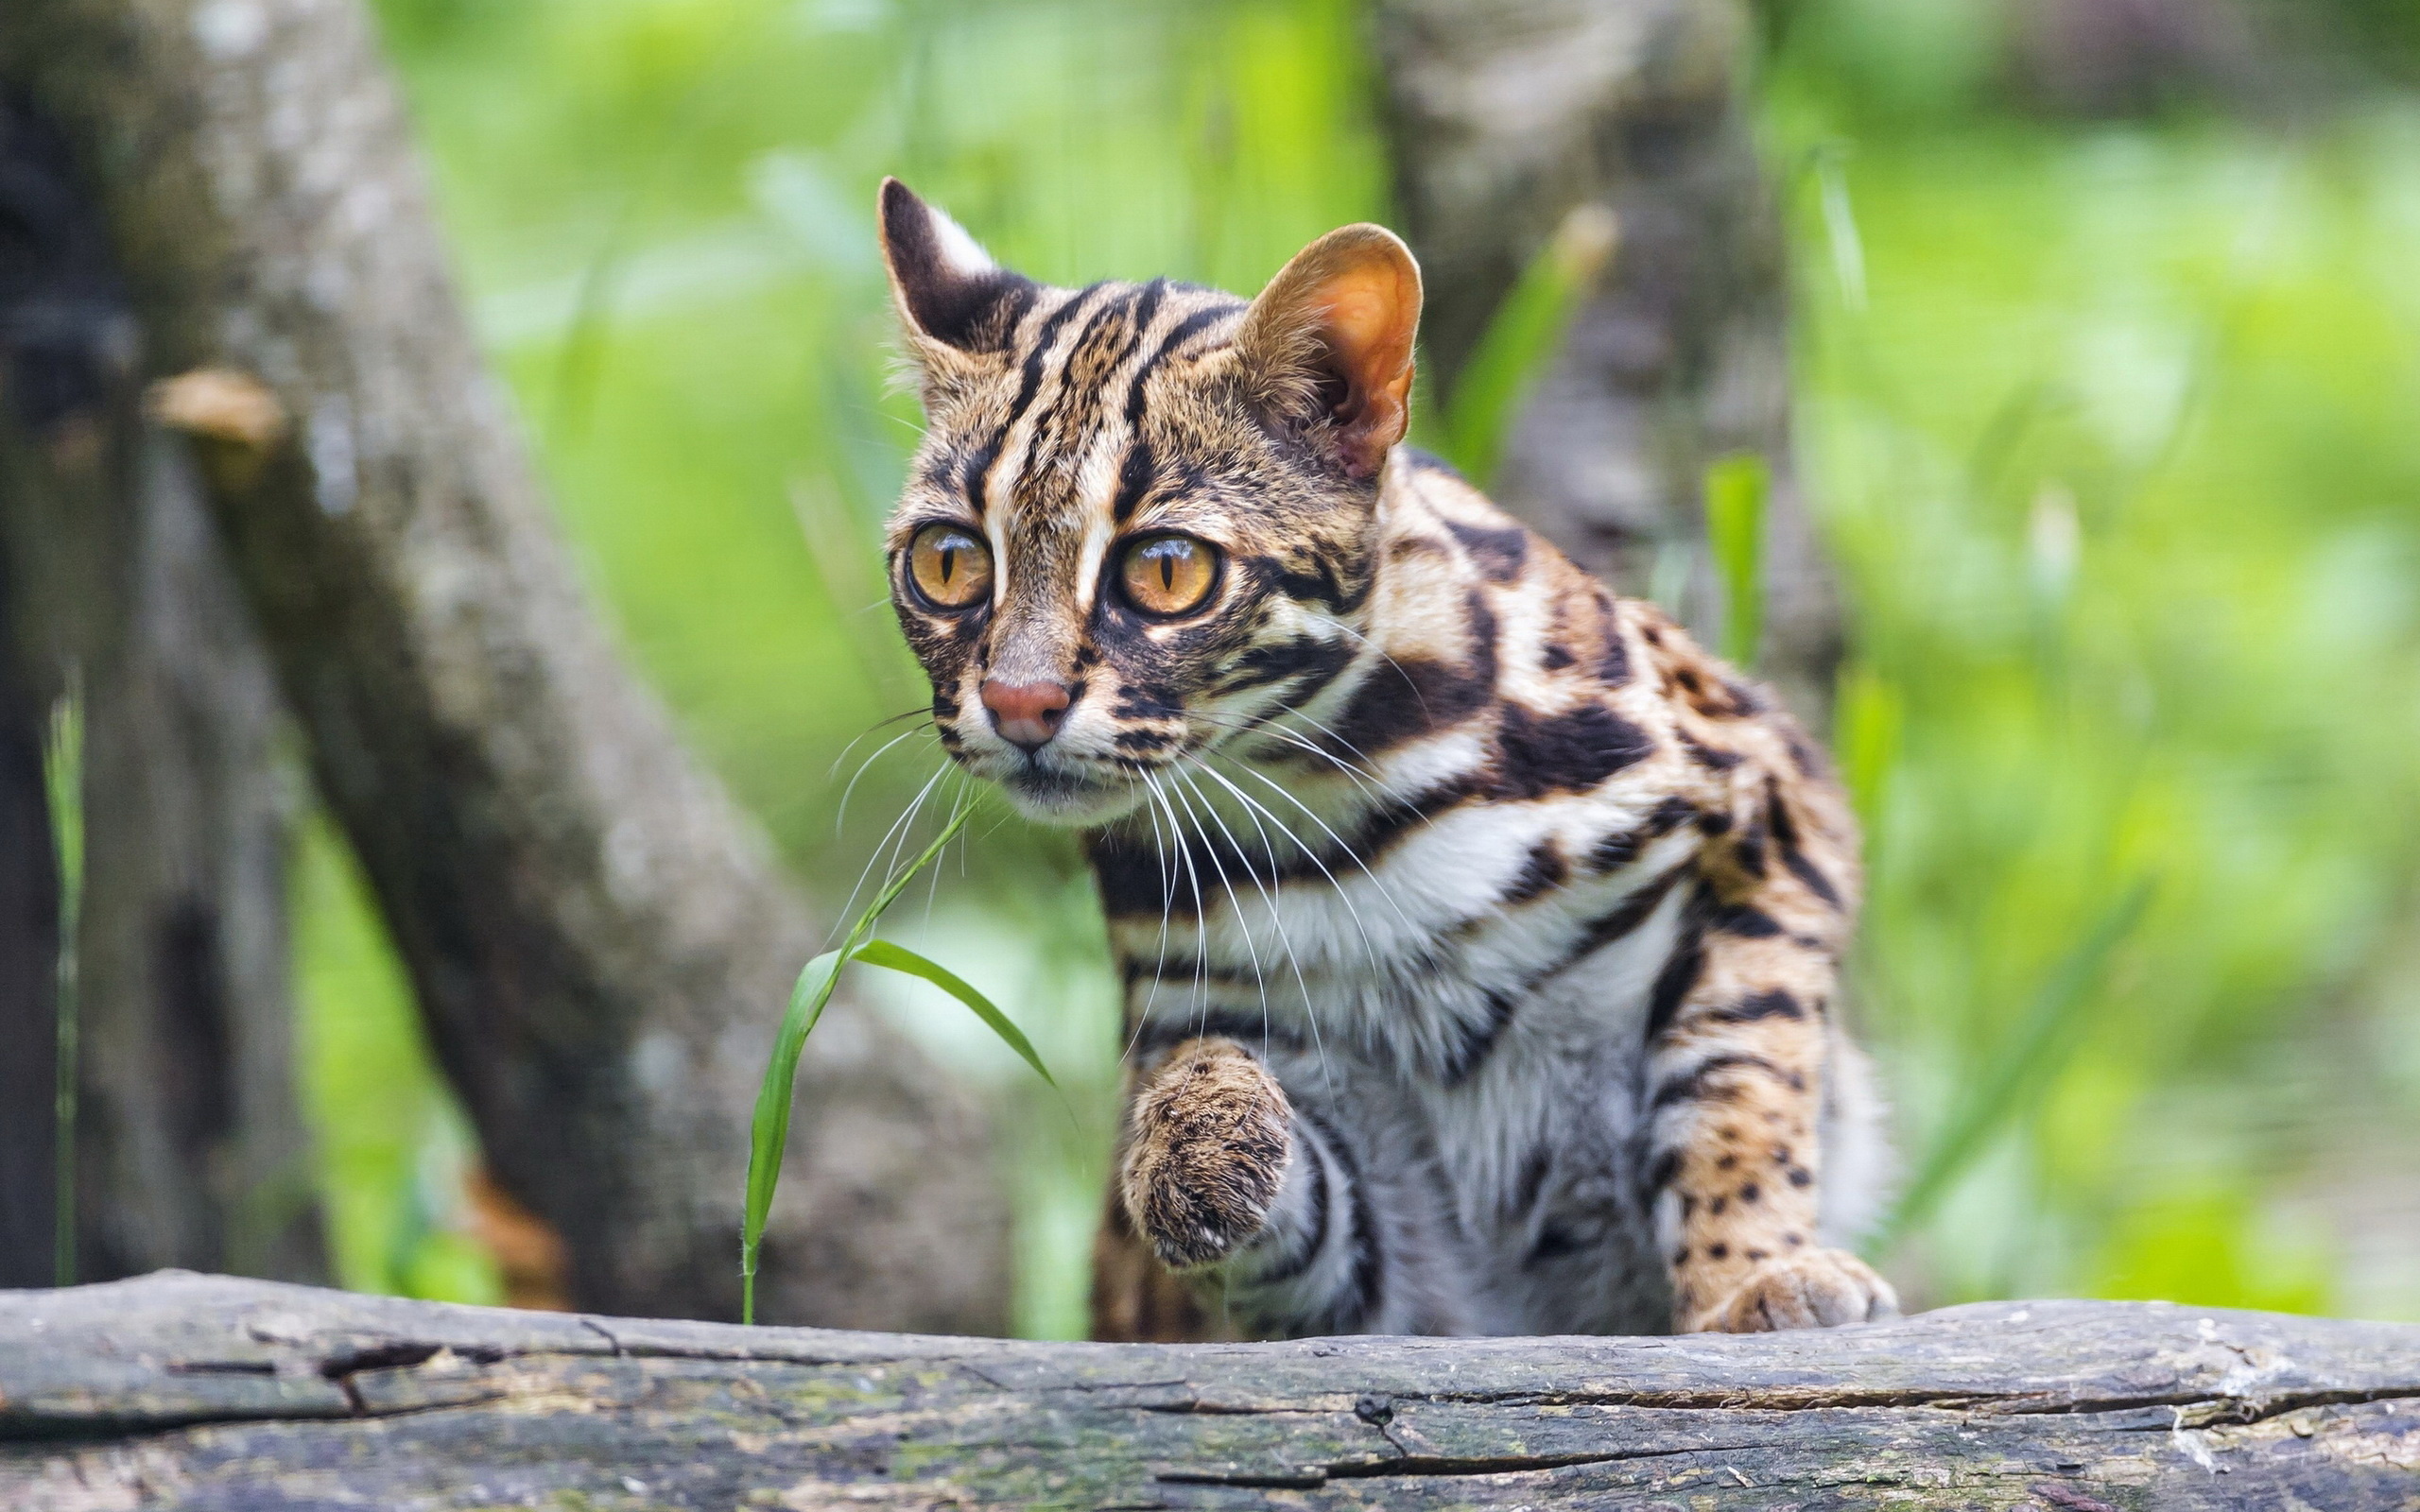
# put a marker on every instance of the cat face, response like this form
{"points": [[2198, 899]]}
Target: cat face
{"points": [[1142, 521]]}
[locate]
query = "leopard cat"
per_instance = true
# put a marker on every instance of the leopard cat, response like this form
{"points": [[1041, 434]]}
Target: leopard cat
{"points": [[1477, 930]]}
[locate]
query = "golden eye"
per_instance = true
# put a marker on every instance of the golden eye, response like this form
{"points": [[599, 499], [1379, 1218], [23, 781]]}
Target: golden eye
{"points": [[1170, 574], [950, 566]]}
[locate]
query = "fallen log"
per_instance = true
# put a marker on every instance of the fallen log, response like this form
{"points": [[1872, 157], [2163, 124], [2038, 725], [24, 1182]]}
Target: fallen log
{"points": [[184, 1391]]}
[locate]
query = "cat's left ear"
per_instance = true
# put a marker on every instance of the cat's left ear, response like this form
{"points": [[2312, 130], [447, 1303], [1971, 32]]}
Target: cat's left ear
{"points": [[1330, 340], [952, 298]]}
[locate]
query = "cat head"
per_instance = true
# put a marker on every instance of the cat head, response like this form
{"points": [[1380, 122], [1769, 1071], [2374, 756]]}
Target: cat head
{"points": [[1143, 516]]}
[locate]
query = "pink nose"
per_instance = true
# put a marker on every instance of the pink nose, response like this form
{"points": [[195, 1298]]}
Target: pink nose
{"points": [[1026, 714]]}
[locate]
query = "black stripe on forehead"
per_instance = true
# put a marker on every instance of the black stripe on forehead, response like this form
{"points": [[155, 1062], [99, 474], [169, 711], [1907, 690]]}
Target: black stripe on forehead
{"points": [[1175, 337], [1063, 426], [978, 464], [1140, 468]]}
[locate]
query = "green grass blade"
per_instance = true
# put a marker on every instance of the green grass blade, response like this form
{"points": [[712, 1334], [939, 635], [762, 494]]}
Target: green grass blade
{"points": [[1520, 337], [769, 1131], [1736, 490], [884, 954], [2022, 1068], [62, 771]]}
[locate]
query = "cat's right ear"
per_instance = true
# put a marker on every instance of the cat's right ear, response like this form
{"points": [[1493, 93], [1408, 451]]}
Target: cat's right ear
{"points": [[1330, 341], [954, 301]]}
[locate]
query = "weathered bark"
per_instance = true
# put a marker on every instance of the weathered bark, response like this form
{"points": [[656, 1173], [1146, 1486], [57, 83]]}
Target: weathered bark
{"points": [[1506, 114], [190, 1148], [187, 1391], [600, 942]]}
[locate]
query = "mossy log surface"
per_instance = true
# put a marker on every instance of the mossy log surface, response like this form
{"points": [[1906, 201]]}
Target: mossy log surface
{"points": [[184, 1391]]}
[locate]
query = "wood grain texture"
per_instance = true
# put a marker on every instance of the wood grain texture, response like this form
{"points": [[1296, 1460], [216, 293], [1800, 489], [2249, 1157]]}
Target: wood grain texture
{"points": [[183, 1391]]}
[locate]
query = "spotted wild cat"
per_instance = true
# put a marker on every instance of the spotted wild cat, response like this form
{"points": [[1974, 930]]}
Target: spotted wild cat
{"points": [[1479, 931]]}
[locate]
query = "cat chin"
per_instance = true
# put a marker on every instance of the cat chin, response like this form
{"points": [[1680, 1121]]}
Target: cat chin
{"points": [[1069, 801]]}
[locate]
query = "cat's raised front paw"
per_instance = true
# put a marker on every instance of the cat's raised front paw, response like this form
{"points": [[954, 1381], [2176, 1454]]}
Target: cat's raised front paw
{"points": [[1819, 1288], [1206, 1154]]}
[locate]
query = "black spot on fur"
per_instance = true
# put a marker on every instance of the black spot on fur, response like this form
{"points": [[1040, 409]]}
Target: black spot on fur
{"points": [[1532, 1178], [1603, 931], [1498, 553], [1814, 881], [1613, 659], [1568, 753], [1774, 1005], [1476, 1043], [1177, 337], [1306, 657], [1318, 583], [1554, 1242], [1785, 831], [1748, 851], [1680, 973], [1135, 479], [1404, 697], [1135, 880], [1744, 921], [1556, 658], [1696, 1084], [1140, 701], [1545, 870], [1706, 756], [1623, 847]]}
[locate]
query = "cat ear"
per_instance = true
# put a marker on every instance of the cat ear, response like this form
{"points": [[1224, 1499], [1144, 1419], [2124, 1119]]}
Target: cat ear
{"points": [[1330, 340], [949, 292]]}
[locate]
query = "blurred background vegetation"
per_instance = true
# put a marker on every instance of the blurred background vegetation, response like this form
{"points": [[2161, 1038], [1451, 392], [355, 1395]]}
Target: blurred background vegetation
{"points": [[2108, 388]]}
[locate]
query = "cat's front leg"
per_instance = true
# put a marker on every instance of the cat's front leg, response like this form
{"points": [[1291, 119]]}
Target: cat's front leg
{"points": [[1207, 1146], [1737, 1065]]}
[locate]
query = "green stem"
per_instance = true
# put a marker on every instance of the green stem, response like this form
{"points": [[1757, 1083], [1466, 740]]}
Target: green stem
{"points": [[63, 788], [768, 1134]]}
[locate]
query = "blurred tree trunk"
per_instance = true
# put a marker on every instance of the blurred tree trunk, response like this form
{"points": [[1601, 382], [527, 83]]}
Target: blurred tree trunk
{"points": [[190, 1148], [1505, 116], [28, 942], [600, 942]]}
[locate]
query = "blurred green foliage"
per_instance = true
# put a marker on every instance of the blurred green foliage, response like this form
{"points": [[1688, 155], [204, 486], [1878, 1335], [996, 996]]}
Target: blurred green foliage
{"points": [[2113, 439], [2111, 427]]}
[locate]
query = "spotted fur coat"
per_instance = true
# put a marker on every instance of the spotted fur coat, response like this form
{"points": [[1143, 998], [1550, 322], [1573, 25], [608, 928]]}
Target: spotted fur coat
{"points": [[1479, 931]]}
